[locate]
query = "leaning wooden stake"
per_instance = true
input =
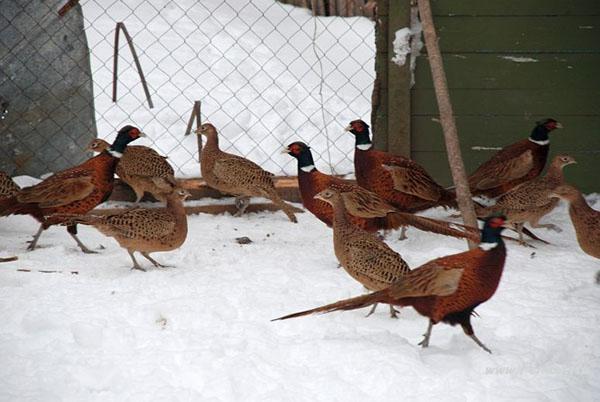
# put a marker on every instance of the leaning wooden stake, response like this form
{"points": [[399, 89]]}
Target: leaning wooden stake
{"points": [[121, 27], [195, 116], [68, 6], [457, 166]]}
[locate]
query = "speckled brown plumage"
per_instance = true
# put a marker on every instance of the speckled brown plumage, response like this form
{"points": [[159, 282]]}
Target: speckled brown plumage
{"points": [[146, 230], [585, 219], [446, 289], [7, 186], [138, 166], [362, 254], [412, 190], [72, 191], [367, 210], [515, 163], [529, 201], [233, 174]]}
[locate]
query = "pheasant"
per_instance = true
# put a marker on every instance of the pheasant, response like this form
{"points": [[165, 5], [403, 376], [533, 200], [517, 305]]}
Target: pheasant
{"points": [[138, 166], [363, 255], [529, 202], [514, 164], [146, 230], [586, 220], [235, 175], [76, 190], [446, 289], [7, 186], [410, 188], [367, 210]]}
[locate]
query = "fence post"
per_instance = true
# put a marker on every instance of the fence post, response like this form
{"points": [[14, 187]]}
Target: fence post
{"points": [[390, 116], [195, 116]]}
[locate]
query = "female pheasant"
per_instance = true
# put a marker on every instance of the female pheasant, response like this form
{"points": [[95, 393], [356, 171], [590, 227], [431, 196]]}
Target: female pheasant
{"points": [[529, 202], [362, 254], [446, 289], [411, 189], [146, 230], [7, 186], [514, 164], [235, 175], [367, 210], [138, 167], [76, 190]]}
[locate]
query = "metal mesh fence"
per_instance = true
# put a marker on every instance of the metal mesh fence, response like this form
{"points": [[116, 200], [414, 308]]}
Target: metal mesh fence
{"points": [[266, 73]]}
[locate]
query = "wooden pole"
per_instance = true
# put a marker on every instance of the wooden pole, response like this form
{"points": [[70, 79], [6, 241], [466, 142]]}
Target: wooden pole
{"points": [[195, 116], [457, 166]]}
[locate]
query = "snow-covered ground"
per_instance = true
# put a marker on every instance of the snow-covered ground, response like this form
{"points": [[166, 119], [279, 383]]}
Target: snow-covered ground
{"points": [[202, 330], [267, 74]]}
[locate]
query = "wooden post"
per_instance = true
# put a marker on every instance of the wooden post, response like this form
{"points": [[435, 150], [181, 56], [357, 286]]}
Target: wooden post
{"points": [[457, 166], [390, 115], [195, 116]]}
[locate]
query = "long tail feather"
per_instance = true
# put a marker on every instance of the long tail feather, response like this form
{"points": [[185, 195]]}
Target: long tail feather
{"points": [[397, 219], [346, 304]]}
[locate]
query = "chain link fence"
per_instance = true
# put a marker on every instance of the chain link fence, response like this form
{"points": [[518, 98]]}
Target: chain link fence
{"points": [[266, 73]]}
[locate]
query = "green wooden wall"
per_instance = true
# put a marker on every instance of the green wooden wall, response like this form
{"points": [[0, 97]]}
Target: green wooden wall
{"points": [[497, 99]]}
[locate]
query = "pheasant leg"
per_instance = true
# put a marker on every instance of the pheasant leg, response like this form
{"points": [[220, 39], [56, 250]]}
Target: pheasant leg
{"points": [[36, 237], [72, 229], [241, 204], [403, 233], [598, 277], [135, 263], [153, 261], [477, 341], [468, 329], [393, 312], [372, 310], [425, 342]]}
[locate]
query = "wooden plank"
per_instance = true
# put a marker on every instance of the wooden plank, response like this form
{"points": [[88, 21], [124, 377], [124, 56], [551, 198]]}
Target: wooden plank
{"points": [[518, 102], [494, 71], [515, 7], [399, 82], [583, 174], [580, 132], [570, 34]]}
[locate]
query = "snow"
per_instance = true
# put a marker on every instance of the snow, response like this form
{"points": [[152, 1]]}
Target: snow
{"points": [[520, 59], [267, 74], [401, 45], [202, 331]]}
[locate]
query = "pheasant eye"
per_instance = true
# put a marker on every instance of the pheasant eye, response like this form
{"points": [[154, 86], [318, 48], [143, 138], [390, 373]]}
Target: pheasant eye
{"points": [[134, 133]]}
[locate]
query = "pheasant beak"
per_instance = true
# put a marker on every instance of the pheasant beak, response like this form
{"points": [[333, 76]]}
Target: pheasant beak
{"points": [[558, 125], [142, 134], [285, 150], [319, 197], [348, 128]]}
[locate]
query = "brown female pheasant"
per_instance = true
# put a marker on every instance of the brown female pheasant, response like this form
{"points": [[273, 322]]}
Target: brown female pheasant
{"points": [[585, 219], [7, 186], [514, 164], [409, 189], [72, 191], [446, 289], [367, 210], [146, 230], [235, 175], [138, 167], [363, 255], [529, 202]]}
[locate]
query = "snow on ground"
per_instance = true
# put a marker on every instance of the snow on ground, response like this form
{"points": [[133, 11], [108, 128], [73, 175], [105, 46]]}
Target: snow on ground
{"points": [[202, 330], [267, 74]]}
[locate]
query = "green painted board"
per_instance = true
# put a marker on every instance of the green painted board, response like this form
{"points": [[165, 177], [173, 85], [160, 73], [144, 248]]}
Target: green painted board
{"points": [[569, 34], [517, 102], [515, 7], [515, 71], [584, 174], [581, 133]]}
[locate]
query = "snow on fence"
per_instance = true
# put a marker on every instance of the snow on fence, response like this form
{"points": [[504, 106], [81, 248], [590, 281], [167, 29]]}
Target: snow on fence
{"points": [[266, 74]]}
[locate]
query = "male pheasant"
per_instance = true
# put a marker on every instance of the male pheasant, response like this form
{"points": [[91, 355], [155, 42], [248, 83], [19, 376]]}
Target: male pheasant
{"points": [[362, 254], [235, 175], [367, 210], [146, 230], [514, 164], [411, 189], [76, 190], [446, 289], [138, 167], [529, 202]]}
